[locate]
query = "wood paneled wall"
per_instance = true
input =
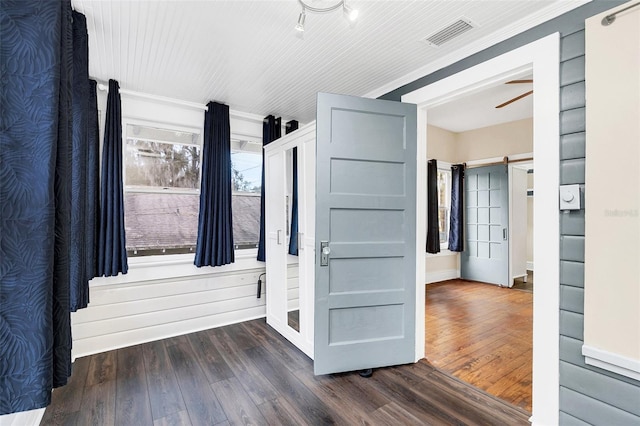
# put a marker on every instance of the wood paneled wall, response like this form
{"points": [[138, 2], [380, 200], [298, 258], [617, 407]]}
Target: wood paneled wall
{"points": [[129, 312]]}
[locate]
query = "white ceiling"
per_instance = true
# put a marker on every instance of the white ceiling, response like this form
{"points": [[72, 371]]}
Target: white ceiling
{"points": [[479, 109], [248, 55]]}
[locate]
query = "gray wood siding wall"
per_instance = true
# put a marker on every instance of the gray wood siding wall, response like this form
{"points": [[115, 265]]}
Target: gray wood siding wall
{"points": [[588, 395]]}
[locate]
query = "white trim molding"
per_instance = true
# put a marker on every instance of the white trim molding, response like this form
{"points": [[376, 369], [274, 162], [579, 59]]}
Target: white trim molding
{"points": [[443, 275], [164, 268], [529, 265], [609, 361], [541, 57], [444, 252], [24, 418]]}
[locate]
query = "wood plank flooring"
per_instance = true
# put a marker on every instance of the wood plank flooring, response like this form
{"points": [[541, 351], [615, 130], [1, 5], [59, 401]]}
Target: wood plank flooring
{"points": [[521, 284], [248, 374], [482, 334]]}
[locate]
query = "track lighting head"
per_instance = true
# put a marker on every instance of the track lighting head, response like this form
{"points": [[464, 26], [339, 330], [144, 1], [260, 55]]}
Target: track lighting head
{"points": [[301, 18], [350, 13]]}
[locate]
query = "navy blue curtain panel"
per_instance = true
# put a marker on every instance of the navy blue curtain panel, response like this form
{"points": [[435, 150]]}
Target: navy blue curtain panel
{"points": [[214, 246], [456, 223], [35, 189], [93, 184], [79, 285], [433, 228], [271, 130], [289, 127], [112, 253]]}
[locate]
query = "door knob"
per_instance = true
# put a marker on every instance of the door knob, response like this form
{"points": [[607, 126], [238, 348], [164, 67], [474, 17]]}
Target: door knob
{"points": [[324, 253]]}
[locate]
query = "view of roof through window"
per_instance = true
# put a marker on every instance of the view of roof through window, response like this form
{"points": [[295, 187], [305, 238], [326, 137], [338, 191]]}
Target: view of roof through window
{"points": [[162, 191]]}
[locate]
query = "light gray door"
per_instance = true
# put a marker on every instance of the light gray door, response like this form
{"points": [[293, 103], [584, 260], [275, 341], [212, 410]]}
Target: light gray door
{"points": [[365, 234], [486, 251]]}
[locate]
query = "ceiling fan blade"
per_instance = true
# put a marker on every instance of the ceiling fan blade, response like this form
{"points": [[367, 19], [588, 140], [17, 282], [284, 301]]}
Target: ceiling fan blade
{"points": [[515, 99], [518, 81]]}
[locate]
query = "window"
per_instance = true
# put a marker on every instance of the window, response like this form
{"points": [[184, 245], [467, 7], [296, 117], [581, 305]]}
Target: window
{"points": [[246, 181], [162, 190], [444, 204]]}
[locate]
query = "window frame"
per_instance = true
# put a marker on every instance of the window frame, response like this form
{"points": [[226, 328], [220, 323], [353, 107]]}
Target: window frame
{"points": [[444, 166], [169, 126], [238, 144], [241, 137], [447, 171], [162, 126]]}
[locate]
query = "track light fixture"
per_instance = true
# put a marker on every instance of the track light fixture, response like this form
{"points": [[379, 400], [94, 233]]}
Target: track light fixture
{"points": [[350, 13], [301, 18]]}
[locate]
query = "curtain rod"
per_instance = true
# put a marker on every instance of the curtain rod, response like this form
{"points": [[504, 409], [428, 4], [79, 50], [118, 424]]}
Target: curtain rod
{"points": [[163, 99], [105, 88], [232, 113], [505, 161], [611, 18]]}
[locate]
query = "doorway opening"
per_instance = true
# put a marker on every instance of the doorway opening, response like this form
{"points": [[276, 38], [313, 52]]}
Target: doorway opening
{"points": [[540, 58], [480, 328]]}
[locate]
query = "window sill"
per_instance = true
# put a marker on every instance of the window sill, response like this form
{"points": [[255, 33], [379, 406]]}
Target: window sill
{"points": [[443, 252], [177, 267]]}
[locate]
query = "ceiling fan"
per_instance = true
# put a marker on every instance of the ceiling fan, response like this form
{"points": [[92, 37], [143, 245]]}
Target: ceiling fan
{"points": [[519, 96]]}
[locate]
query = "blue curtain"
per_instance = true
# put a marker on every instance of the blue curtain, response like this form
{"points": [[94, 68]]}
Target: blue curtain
{"points": [[79, 285], [293, 240], [456, 223], [93, 184], [433, 227], [271, 130], [35, 189], [112, 253], [215, 226]]}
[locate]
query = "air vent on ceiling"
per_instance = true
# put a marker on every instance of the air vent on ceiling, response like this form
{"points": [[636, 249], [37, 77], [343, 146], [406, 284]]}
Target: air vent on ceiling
{"points": [[449, 32]]}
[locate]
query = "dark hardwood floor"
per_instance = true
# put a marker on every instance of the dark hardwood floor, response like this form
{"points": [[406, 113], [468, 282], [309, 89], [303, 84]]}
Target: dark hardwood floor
{"points": [[482, 334], [249, 374]]}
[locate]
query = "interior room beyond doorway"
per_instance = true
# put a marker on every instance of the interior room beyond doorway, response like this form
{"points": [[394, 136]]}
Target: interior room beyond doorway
{"points": [[481, 333]]}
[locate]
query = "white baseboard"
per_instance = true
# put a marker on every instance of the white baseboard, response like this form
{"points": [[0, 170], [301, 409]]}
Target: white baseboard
{"points": [[444, 275], [25, 418], [529, 266], [611, 362]]}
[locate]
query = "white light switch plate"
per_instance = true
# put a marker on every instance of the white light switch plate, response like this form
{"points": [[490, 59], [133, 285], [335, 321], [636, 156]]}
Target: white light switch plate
{"points": [[570, 197]]}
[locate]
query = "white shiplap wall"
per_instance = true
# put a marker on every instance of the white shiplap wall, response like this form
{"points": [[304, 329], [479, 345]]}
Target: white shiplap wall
{"points": [[162, 297]]}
